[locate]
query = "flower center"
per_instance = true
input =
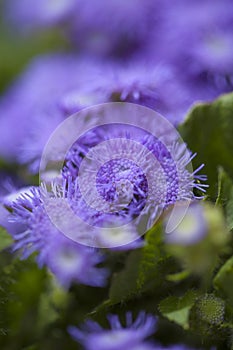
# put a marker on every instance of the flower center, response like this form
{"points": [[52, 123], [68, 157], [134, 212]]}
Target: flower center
{"points": [[122, 182]]}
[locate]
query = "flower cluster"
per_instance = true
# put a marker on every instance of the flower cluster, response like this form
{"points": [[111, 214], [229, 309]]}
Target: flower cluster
{"points": [[152, 39], [110, 191], [95, 123]]}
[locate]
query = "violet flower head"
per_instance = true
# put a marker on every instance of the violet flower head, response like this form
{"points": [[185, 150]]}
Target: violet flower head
{"points": [[68, 260], [9, 192], [71, 262], [111, 27], [38, 99], [132, 336], [55, 86], [130, 171], [99, 27], [208, 26], [149, 83], [28, 15]]}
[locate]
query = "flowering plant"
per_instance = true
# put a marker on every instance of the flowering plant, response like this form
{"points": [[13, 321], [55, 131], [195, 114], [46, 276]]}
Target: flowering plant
{"points": [[116, 173]]}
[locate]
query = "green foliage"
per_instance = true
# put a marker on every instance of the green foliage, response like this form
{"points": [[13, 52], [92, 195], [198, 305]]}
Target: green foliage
{"points": [[223, 281], [225, 196], [151, 257], [208, 131], [177, 309], [5, 239], [141, 272], [124, 283]]}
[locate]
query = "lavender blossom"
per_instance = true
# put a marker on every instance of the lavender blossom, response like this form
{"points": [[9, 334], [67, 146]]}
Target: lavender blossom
{"points": [[112, 177], [69, 261], [150, 83], [93, 336], [98, 27], [56, 86], [113, 26], [116, 179], [10, 192], [36, 99], [27, 15], [207, 25]]}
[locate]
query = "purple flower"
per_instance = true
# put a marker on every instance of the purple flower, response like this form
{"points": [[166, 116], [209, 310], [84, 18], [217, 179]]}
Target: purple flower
{"points": [[116, 181], [68, 260], [192, 227], [148, 83], [205, 24], [127, 172], [99, 27], [27, 15], [35, 103], [132, 336], [9, 193], [71, 262], [112, 26], [56, 86]]}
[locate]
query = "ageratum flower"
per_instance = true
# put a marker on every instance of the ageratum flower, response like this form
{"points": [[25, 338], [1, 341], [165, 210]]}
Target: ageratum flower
{"points": [[71, 262], [150, 83], [9, 191], [37, 104], [113, 27], [55, 86], [208, 26], [116, 178], [109, 230], [128, 172], [27, 15], [119, 337], [98, 27], [131, 336], [68, 260]]}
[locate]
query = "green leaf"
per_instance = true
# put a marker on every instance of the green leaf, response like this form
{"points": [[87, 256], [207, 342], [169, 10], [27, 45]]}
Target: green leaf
{"points": [[5, 239], [52, 302], [229, 210], [143, 279], [224, 187], [151, 256], [176, 309], [124, 283], [223, 281], [142, 272], [225, 196], [208, 131]]}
